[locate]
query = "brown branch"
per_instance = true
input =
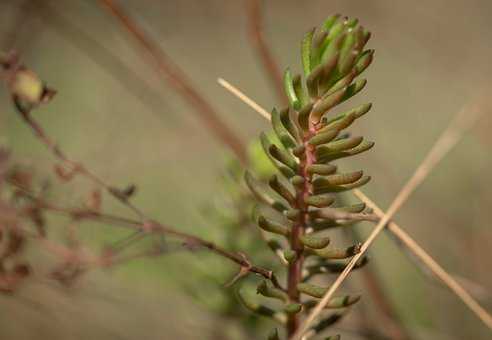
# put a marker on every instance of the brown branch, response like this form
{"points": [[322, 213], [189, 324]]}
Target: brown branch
{"points": [[256, 33], [20, 21], [154, 227], [179, 81], [431, 264], [131, 80], [75, 166], [159, 228]]}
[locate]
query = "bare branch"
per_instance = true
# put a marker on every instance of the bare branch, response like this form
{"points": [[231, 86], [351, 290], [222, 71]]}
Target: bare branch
{"points": [[74, 165], [431, 264], [154, 227], [255, 22], [179, 81]]}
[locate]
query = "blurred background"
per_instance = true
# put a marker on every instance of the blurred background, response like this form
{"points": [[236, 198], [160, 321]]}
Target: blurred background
{"points": [[116, 113]]}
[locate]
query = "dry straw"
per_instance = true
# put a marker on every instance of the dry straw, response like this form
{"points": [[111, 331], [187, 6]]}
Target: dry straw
{"points": [[462, 122]]}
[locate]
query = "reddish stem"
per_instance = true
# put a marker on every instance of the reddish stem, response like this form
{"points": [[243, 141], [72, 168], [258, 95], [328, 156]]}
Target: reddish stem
{"points": [[295, 268]]}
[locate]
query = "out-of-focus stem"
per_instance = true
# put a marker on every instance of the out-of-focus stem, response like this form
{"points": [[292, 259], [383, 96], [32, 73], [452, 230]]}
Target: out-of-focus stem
{"points": [[255, 20], [179, 81]]}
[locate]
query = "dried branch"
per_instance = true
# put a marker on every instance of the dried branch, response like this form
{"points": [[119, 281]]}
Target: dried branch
{"points": [[431, 264], [179, 81], [112, 63], [154, 227], [146, 224], [75, 166], [461, 123], [21, 20], [396, 230], [258, 42]]}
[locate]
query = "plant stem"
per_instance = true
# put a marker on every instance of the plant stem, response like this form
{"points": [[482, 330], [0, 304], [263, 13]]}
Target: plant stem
{"points": [[295, 268], [179, 81], [256, 36]]}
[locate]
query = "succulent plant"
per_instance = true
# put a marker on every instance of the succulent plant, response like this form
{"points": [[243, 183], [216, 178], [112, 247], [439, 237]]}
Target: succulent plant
{"points": [[302, 197]]}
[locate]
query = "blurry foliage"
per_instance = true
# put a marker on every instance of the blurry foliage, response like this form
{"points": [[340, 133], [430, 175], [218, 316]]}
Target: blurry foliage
{"points": [[231, 212]]}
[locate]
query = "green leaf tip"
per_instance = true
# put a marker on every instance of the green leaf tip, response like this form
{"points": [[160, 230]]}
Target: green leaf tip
{"points": [[312, 290], [290, 255], [315, 242], [289, 88], [266, 289], [272, 227]]}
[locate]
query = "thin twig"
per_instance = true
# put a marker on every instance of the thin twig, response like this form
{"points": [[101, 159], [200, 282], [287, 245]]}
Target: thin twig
{"points": [[104, 56], [248, 101], [76, 166], [154, 227], [20, 21], [431, 264], [463, 121], [179, 81], [396, 230], [257, 40]]}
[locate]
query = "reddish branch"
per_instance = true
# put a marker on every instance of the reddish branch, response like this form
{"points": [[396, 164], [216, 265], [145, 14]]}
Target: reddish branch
{"points": [[147, 224], [179, 81], [76, 167]]}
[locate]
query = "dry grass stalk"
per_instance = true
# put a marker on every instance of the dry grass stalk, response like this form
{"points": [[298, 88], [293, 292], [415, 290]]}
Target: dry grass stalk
{"points": [[460, 124]]}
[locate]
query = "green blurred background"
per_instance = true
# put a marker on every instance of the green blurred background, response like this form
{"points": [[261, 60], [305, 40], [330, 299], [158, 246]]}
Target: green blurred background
{"points": [[114, 112]]}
